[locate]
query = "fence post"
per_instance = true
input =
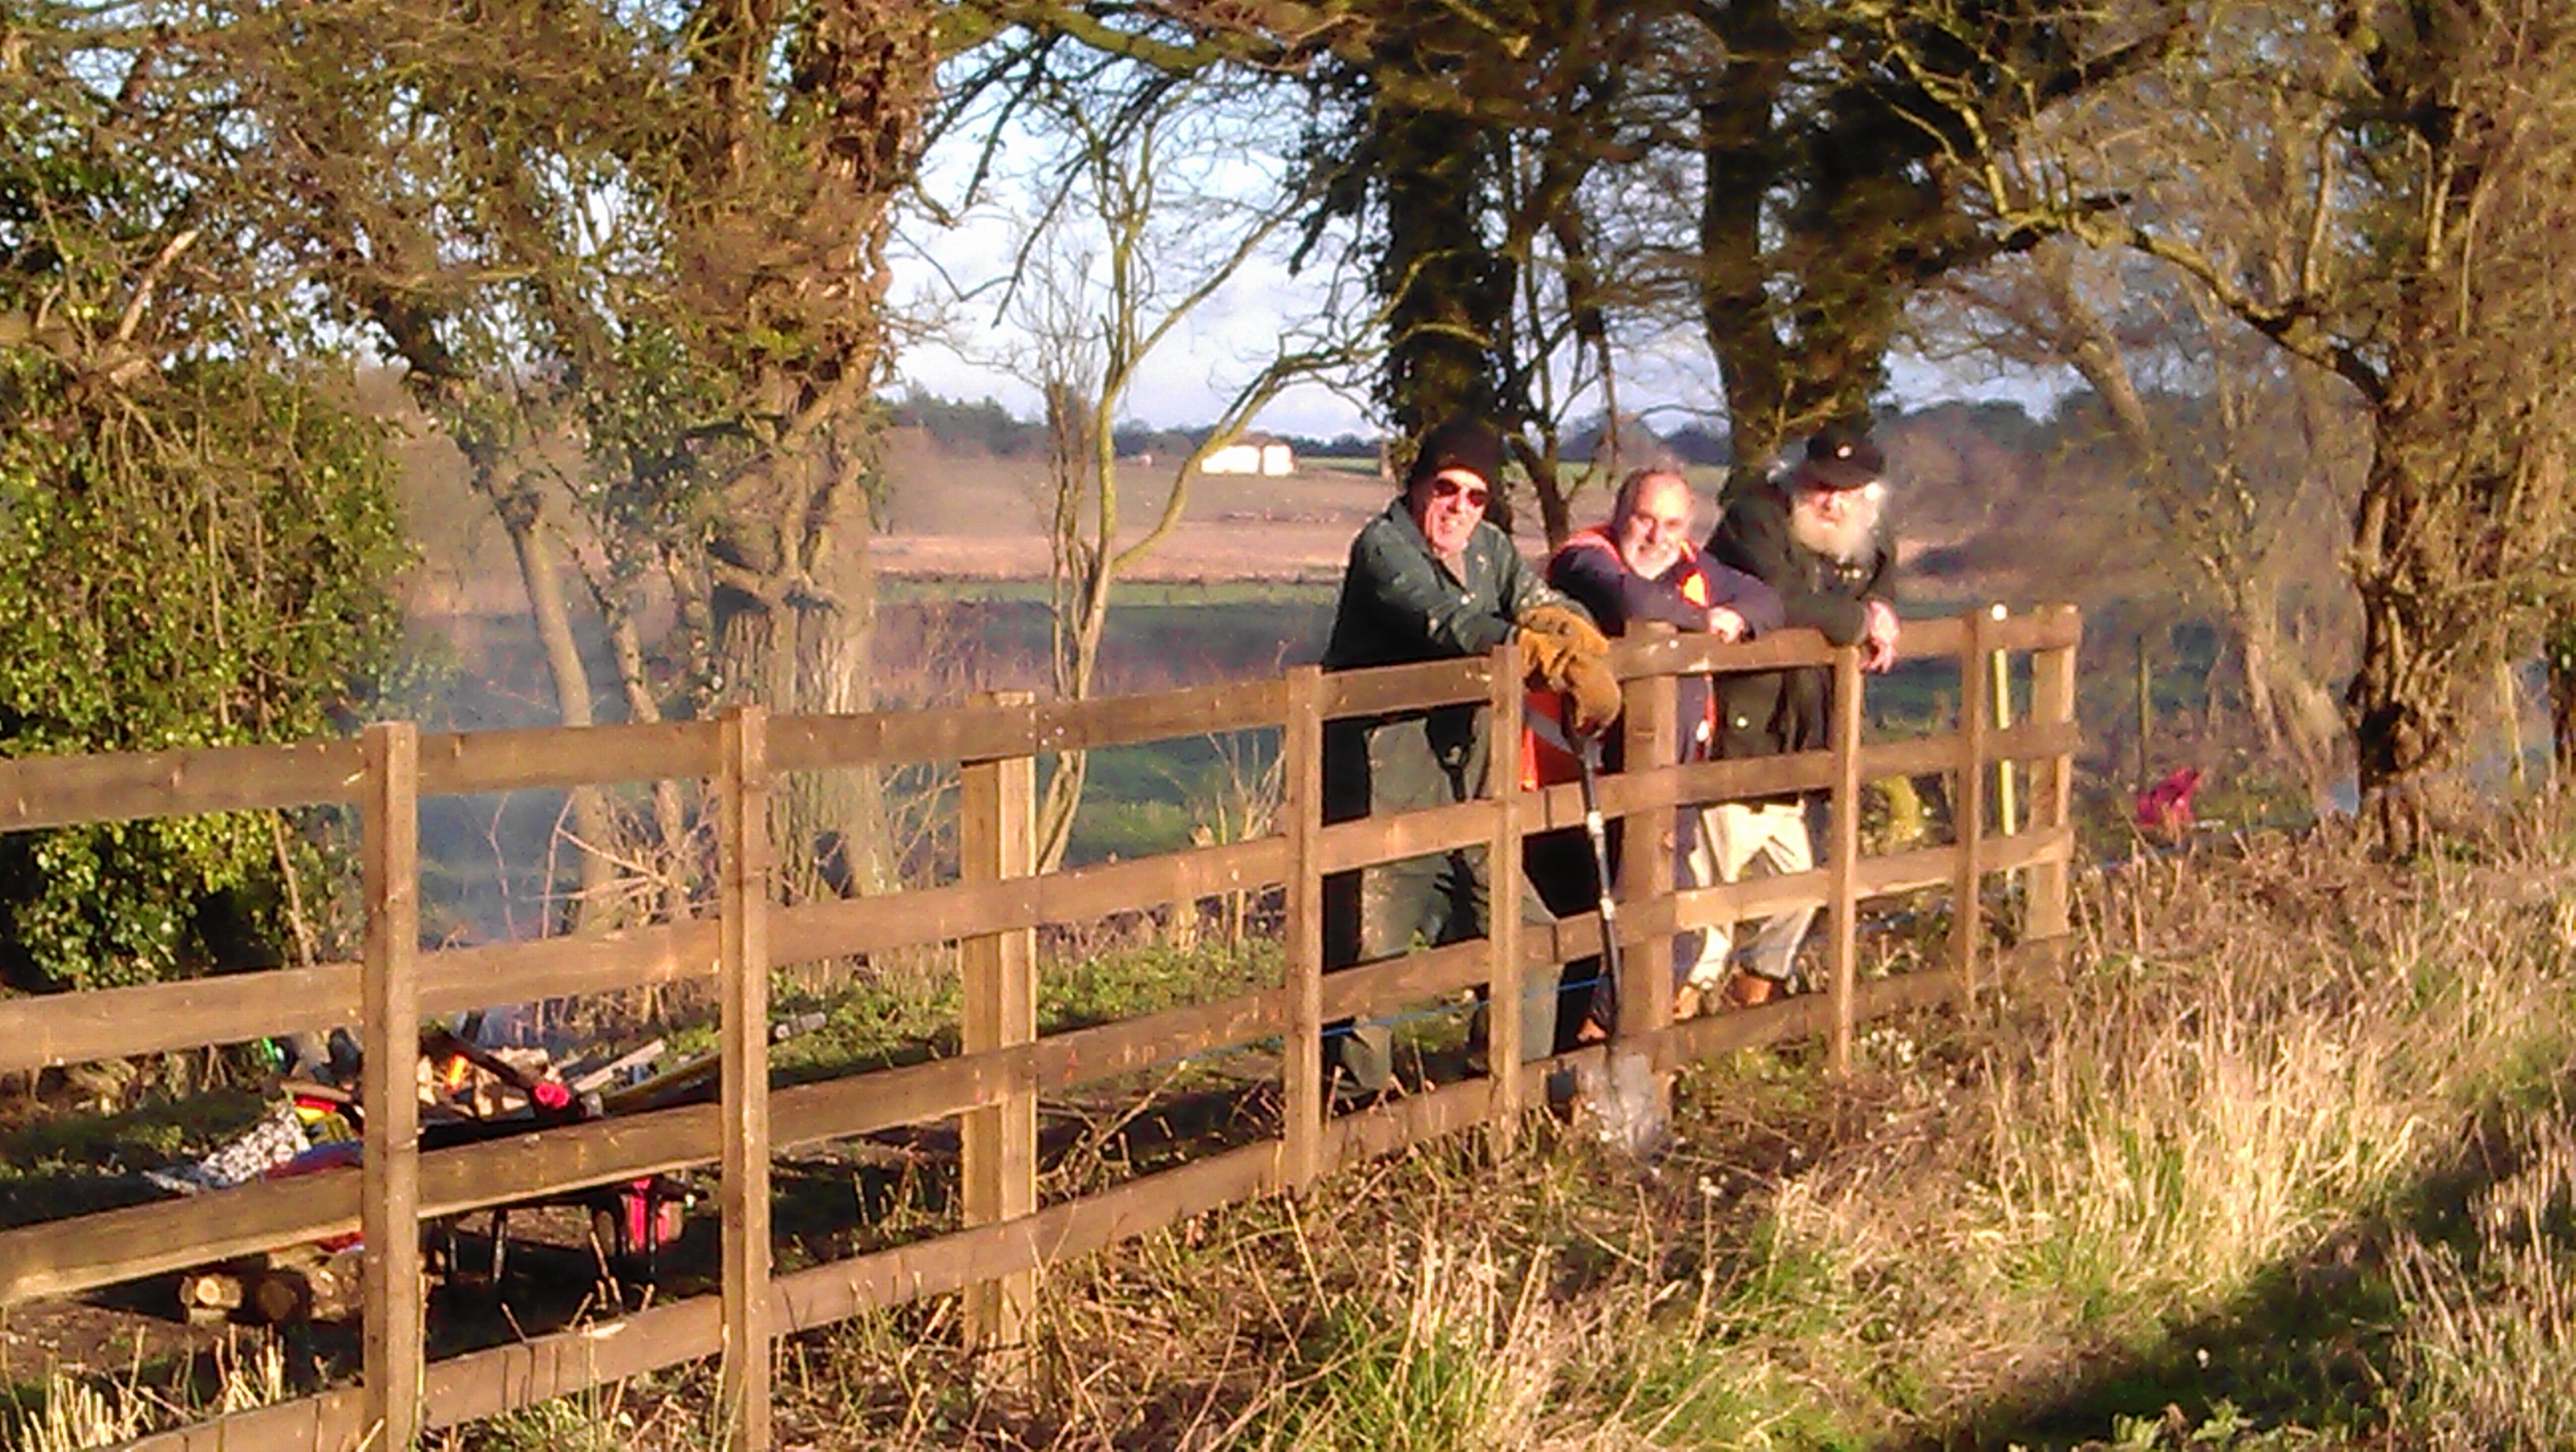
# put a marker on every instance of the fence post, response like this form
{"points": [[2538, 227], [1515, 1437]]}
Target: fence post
{"points": [[1968, 810], [997, 840], [742, 965], [1843, 874], [2509, 701], [389, 1018], [1301, 1053], [1646, 861], [2146, 709], [1505, 1024], [2052, 699], [1999, 676]]}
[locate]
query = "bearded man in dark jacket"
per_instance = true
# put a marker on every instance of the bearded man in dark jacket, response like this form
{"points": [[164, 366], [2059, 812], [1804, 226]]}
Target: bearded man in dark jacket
{"points": [[1817, 537]]}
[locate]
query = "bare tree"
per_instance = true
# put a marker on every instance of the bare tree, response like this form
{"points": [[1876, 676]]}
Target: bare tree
{"points": [[2234, 448], [2425, 155], [1146, 223], [1558, 334]]}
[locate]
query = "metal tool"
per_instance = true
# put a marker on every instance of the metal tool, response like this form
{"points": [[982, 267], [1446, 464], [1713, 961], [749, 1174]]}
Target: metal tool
{"points": [[1587, 756]]}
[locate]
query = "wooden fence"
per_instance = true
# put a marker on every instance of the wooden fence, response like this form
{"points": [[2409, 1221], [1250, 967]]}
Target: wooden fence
{"points": [[994, 1083]]}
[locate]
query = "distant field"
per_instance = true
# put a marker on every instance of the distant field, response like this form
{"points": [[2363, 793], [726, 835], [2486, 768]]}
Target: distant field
{"points": [[958, 517], [1159, 594], [1365, 467]]}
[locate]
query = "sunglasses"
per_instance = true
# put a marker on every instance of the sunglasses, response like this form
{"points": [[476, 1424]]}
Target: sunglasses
{"points": [[1474, 495]]}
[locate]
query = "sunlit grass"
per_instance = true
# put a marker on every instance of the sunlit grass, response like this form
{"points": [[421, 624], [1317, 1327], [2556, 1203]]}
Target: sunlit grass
{"points": [[2281, 1158], [2489, 1346], [68, 1411]]}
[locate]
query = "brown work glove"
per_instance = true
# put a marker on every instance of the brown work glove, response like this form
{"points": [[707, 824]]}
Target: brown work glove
{"points": [[1565, 623], [1581, 676]]}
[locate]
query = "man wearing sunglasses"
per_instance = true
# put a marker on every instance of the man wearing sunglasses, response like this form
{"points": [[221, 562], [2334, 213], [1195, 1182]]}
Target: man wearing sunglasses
{"points": [[1431, 579]]}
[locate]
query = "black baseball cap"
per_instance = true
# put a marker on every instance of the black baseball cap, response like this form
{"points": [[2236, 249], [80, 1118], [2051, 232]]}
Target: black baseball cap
{"points": [[1842, 458]]}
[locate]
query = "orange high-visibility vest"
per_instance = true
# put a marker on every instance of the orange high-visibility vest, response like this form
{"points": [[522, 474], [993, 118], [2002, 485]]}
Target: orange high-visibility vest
{"points": [[1547, 743]]}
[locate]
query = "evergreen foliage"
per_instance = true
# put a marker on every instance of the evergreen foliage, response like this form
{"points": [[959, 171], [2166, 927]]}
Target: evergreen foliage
{"points": [[196, 542]]}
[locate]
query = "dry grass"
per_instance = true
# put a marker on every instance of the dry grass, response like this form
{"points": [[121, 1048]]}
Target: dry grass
{"points": [[67, 1412], [2489, 1320], [2280, 1160]]}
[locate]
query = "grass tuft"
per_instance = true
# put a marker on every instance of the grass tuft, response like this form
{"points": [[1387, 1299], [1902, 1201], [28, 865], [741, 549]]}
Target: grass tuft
{"points": [[2489, 1329]]}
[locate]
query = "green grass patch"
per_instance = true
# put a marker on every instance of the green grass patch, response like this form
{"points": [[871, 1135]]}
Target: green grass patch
{"points": [[906, 1013], [158, 1129]]}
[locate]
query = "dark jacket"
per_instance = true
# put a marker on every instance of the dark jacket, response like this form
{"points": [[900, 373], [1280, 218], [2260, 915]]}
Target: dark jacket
{"points": [[1401, 604], [1588, 568], [1764, 713]]}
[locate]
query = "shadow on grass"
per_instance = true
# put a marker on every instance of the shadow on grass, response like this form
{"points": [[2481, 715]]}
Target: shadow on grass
{"points": [[73, 1162], [2305, 1356]]}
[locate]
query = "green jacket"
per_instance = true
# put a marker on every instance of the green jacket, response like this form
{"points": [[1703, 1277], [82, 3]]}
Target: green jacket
{"points": [[1399, 605]]}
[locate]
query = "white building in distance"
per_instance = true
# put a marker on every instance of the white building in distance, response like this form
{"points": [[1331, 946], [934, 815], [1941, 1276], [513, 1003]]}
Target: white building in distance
{"points": [[1252, 455]]}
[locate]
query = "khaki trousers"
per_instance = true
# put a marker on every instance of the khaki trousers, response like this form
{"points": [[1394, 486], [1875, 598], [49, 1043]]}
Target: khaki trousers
{"points": [[1740, 840]]}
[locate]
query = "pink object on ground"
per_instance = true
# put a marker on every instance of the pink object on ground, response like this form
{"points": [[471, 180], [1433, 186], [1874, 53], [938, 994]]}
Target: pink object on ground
{"points": [[2165, 808]]}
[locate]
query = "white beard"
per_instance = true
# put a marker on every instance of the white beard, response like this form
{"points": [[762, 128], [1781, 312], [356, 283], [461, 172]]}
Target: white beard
{"points": [[1843, 541]]}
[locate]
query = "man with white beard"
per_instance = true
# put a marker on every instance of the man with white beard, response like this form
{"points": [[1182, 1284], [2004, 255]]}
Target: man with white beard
{"points": [[1816, 537]]}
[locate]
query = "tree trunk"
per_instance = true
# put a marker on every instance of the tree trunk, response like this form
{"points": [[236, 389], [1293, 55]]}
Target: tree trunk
{"points": [[2562, 705], [1077, 664], [2292, 711], [807, 656], [2392, 703], [1449, 293], [521, 514], [2509, 707], [794, 612], [2256, 640], [1545, 464], [1853, 248], [670, 816], [1555, 516]]}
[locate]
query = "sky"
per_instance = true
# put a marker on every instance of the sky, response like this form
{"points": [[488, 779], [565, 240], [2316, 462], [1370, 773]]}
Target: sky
{"points": [[1189, 381], [951, 275]]}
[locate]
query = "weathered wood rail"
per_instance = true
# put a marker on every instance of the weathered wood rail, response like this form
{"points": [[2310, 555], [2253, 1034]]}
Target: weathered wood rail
{"points": [[993, 1084]]}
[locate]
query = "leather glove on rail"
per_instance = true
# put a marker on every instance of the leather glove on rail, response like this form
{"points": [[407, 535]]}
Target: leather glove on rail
{"points": [[1583, 677], [1565, 623]]}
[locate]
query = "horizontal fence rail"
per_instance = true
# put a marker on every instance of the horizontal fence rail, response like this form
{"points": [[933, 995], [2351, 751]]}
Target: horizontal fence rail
{"points": [[993, 1083]]}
